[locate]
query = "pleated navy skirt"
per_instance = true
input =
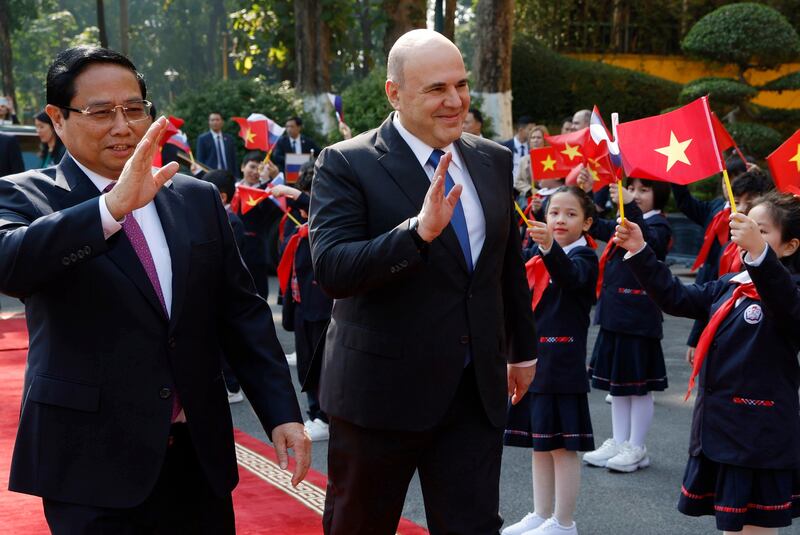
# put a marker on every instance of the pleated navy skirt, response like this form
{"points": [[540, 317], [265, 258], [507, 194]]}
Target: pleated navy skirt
{"points": [[737, 496], [627, 365], [547, 422]]}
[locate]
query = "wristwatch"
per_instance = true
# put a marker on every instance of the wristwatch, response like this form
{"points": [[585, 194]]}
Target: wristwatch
{"points": [[413, 223]]}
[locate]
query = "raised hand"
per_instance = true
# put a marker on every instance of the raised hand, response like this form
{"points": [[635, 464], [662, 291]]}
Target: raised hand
{"points": [[629, 236], [138, 184], [746, 234], [541, 235], [437, 209], [613, 192]]}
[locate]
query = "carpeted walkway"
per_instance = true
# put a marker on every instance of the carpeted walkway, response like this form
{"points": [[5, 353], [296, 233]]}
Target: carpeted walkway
{"points": [[265, 502]]}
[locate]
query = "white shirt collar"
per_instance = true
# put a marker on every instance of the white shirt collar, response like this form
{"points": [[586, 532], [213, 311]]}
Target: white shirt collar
{"points": [[580, 242], [651, 213], [101, 182], [518, 143], [422, 150], [742, 278], [546, 192]]}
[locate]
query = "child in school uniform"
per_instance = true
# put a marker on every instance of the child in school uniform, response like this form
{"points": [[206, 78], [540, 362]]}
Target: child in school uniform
{"points": [[718, 255], [627, 360], [553, 417], [744, 464]]}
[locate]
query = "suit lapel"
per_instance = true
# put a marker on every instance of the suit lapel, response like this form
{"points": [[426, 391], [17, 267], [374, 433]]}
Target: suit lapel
{"points": [[403, 167], [172, 213], [74, 181]]}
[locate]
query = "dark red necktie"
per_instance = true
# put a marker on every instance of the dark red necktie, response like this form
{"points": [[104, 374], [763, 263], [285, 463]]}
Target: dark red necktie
{"points": [[286, 265], [731, 260], [742, 290], [718, 229], [607, 252], [538, 278]]}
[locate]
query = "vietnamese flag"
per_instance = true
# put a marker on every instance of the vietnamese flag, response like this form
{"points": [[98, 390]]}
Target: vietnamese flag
{"points": [[724, 139], [249, 197], [254, 133], [784, 164], [678, 147], [543, 164], [600, 165], [569, 148]]}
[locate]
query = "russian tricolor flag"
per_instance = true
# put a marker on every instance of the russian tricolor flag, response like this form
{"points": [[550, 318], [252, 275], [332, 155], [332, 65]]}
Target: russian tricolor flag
{"points": [[274, 130], [336, 102], [294, 162]]}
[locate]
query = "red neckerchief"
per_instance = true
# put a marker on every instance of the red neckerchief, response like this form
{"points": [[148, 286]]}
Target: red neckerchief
{"points": [[730, 261], [719, 228], [286, 265], [742, 290], [607, 252], [538, 278]]}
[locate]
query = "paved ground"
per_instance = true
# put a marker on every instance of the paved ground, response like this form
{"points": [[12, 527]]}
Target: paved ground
{"points": [[642, 503]]}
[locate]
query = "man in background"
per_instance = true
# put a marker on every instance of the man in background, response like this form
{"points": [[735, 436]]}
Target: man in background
{"points": [[215, 148], [293, 141]]}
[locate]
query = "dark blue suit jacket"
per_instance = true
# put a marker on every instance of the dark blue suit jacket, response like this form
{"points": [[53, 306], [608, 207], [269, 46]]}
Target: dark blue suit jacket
{"points": [[10, 156], [105, 360], [206, 152], [283, 145], [753, 357]]}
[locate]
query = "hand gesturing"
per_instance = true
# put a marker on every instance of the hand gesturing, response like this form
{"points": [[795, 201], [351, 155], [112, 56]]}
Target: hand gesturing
{"points": [[437, 209]]}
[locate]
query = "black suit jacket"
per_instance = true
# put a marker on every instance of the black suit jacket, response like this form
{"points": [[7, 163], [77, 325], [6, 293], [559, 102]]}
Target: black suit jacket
{"points": [[206, 152], [284, 145], [105, 360], [10, 156], [403, 321]]}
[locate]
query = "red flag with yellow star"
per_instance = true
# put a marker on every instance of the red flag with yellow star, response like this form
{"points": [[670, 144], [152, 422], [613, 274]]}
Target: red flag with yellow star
{"points": [[678, 147], [254, 133], [569, 148], [784, 164], [248, 198], [543, 164]]}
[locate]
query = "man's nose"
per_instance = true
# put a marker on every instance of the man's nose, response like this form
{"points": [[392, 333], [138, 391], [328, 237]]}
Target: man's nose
{"points": [[120, 123]]}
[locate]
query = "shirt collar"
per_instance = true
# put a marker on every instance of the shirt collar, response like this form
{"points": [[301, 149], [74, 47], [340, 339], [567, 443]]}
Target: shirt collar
{"points": [[651, 213], [742, 278], [422, 150], [518, 143], [99, 181], [546, 192], [580, 242]]}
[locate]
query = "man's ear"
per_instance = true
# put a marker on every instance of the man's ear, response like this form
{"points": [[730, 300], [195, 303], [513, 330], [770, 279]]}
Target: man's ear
{"points": [[55, 114], [392, 90]]}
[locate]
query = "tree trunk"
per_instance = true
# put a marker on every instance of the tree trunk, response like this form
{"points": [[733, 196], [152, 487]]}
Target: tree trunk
{"points": [[6, 56], [403, 15], [450, 19], [216, 27], [312, 45], [124, 46], [101, 24], [366, 37], [616, 26], [493, 61]]}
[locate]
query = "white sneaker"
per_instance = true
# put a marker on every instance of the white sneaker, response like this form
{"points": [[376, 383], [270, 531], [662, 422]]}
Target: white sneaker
{"points": [[552, 527], [629, 459], [291, 359], [608, 398], [601, 455], [235, 397], [529, 522], [317, 430]]}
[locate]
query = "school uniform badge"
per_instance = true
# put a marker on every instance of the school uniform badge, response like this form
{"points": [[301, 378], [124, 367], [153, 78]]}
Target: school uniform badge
{"points": [[753, 314]]}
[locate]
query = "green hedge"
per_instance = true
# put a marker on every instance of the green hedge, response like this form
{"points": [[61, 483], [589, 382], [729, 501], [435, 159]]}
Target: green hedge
{"points": [[719, 90], [549, 86], [755, 139], [365, 103], [789, 81]]}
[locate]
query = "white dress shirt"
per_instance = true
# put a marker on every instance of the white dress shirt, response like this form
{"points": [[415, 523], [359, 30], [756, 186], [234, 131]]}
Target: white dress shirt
{"points": [[219, 149], [297, 144], [517, 155], [148, 220], [473, 211]]}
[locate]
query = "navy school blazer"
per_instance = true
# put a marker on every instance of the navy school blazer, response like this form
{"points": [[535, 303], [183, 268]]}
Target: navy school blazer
{"points": [[624, 306], [746, 412], [562, 321]]}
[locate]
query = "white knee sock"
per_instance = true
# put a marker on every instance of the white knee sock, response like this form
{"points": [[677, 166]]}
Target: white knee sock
{"points": [[543, 484], [621, 418], [753, 530], [568, 482], [641, 418]]}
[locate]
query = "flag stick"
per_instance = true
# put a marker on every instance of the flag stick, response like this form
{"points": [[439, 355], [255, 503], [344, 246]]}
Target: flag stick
{"points": [[621, 203], [730, 190], [294, 220], [269, 153], [522, 215]]}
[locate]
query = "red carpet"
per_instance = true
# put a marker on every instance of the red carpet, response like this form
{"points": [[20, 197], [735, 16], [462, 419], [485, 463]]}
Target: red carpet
{"points": [[265, 502]]}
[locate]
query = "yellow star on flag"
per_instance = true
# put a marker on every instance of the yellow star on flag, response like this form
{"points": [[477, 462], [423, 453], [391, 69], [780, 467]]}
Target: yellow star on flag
{"points": [[595, 176], [796, 158], [675, 151], [251, 201], [548, 164], [571, 152], [250, 136]]}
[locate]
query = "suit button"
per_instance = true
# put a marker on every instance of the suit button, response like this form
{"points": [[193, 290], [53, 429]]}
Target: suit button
{"points": [[464, 339], [65, 261], [87, 250], [404, 263], [172, 343], [81, 254], [164, 393], [73, 257], [469, 296]]}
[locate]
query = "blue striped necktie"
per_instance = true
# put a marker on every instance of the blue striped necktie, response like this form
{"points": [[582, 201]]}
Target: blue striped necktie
{"points": [[459, 221]]}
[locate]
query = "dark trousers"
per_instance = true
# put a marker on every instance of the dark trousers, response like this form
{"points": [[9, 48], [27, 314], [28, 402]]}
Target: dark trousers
{"points": [[182, 502], [459, 469], [231, 382], [307, 334]]}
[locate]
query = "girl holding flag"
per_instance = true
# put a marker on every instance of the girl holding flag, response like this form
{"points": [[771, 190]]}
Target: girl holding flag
{"points": [[744, 464], [553, 417], [627, 359]]}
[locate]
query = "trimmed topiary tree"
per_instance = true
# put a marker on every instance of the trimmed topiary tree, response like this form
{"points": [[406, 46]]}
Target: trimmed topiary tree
{"points": [[750, 36]]}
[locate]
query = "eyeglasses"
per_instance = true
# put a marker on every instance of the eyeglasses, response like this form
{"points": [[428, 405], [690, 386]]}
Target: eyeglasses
{"points": [[105, 114]]}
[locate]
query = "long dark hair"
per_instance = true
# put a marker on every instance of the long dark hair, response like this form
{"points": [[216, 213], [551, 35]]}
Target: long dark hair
{"points": [[44, 149]]}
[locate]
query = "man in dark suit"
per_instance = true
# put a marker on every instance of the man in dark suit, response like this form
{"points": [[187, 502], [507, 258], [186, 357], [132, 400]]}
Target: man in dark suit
{"points": [[293, 141], [10, 156], [519, 144], [133, 289], [215, 148], [432, 307]]}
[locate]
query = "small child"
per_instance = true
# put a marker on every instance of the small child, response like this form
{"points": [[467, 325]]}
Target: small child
{"points": [[744, 464], [553, 417], [627, 359]]}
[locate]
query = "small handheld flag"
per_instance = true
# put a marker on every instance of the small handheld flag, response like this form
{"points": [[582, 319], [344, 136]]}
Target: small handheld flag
{"points": [[294, 162], [784, 164], [338, 108], [258, 131]]}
